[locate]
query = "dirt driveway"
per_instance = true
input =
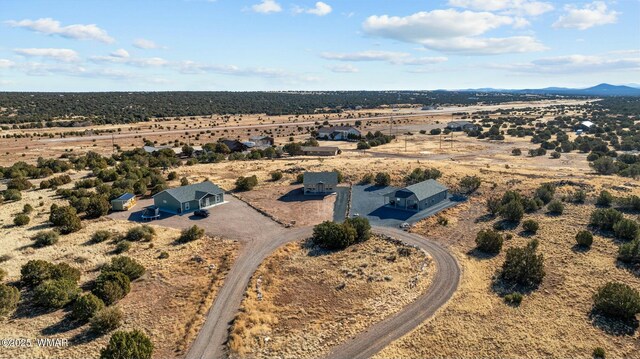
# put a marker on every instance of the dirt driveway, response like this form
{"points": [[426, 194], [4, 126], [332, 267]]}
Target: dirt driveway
{"points": [[232, 220]]}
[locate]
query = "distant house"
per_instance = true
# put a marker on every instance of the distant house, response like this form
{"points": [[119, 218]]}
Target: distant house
{"points": [[189, 198], [320, 183], [461, 126], [417, 197], [176, 150], [235, 145], [320, 151], [124, 202], [262, 141], [585, 125], [339, 133]]}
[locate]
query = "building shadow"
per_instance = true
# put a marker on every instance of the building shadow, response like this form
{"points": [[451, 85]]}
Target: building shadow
{"points": [[297, 195], [391, 213]]}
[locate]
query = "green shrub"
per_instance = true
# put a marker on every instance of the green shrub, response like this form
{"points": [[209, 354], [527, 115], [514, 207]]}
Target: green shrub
{"points": [[191, 234], [246, 183], [331, 235], [545, 192], [626, 229], [514, 298], [383, 179], [163, 255], [130, 267], [617, 300], [555, 207], [98, 206], [516, 152], [630, 252], [85, 307], [493, 205], [141, 233], [605, 218], [469, 184], [604, 199], [134, 344], [101, 236], [489, 241], [172, 176], [631, 203], [56, 293], [9, 298], [512, 211], [523, 266], [27, 209], [531, 204], [579, 196], [122, 246], [111, 287], [35, 272], [46, 238], [362, 227], [276, 175], [3, 274], [367, 179], [19, 183], [65, 271], [584, 239], [599, 353], [435, 131], [530, 226], [106, 320], [12, 195], [21, 219], [300, 178], [65, 218]]}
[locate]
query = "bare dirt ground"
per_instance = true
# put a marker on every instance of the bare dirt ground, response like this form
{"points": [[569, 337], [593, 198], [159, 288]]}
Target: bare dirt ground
{"points": [[553, 321], [301, 290], [169, 302]]}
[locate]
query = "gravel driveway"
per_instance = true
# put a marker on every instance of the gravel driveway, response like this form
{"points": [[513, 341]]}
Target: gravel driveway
{"points": [[232, 220]]}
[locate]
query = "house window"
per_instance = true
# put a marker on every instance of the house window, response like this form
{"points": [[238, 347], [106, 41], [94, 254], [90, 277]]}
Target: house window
{"points": [[186, 206]]}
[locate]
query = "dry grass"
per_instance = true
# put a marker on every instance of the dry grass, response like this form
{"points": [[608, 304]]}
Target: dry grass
{"points": [[312, 300], [553, 321], [169, 302]]}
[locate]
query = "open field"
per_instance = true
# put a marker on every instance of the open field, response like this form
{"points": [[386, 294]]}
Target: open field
{"points": [[301, 289], [168, 302]]}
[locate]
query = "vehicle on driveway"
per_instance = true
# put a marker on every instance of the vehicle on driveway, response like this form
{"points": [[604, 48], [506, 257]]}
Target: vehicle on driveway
{"points": [[405, 226], [201, 213]]}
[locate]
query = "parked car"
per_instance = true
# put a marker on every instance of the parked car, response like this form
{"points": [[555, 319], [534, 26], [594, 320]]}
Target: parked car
{"points": [[201, 213], [405, 226]]}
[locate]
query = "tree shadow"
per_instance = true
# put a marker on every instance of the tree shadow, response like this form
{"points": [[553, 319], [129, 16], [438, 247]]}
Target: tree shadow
{"points": [[315, 250], [297, 195], [86, 336], [577, 248], [613, 326], [502, 287], [65, 325], [505, 225], [485, 218], [481, 255], [26, 310]]}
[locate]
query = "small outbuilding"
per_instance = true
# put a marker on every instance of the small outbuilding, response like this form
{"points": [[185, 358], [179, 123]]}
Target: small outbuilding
{"points": [[461, 126], [417, 197], [124, 202], [189, 198], [339, 133], [320, 183], [320, 151]]}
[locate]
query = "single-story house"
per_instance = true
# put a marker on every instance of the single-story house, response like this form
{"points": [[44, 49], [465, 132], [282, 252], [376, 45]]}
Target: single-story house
{"points": [[461, 126], [585, 125], [320, 151], [124, 202], [339, 133], [235, 145], [189, 198], [262, 141], [418, 196], [320, 183]]}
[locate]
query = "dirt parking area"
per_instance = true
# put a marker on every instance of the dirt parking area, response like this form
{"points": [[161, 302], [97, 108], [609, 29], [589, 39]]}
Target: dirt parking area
{"points": [[232, 220]]}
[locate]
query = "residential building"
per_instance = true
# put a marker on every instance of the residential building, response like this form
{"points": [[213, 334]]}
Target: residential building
{"points": [[320, 151], [417, 197], [320, 183], [189, 198], [461, 126], [124, 202], [339, 133]]}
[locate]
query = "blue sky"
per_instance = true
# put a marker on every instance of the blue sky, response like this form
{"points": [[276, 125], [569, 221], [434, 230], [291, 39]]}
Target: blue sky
{"points": [[241, 45]]}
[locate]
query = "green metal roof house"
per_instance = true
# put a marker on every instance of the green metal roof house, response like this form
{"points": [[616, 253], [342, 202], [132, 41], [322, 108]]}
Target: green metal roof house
{"points": [[320, 183], [189, 198], [418, 196]]}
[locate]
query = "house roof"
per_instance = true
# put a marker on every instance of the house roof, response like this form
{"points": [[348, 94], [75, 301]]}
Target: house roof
{"points": [[320, 177], [422, 190], [586, 123], [193, 192], [320, 149], [459, 123], [337, 129], [125, 197]]}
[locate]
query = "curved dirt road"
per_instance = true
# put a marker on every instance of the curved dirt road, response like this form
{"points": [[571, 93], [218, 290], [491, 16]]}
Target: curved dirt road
{"points": [[210, 340], [381, 334]]}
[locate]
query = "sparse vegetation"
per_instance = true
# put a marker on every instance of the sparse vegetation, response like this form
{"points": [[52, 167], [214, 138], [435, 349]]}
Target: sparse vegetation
{"points": [[617, 300], [133, 344], [85, 307], [246, 183], [530, 226], [128, 266], [523, 266], [111, 287], [46, 238], [489, 241], [106, 320], [383, 179], [584, 239], [191, 234], [9, 298], [142, 233]]}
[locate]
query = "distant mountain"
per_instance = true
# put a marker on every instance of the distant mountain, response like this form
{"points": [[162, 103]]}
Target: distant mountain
{"points": [[598, 90]]}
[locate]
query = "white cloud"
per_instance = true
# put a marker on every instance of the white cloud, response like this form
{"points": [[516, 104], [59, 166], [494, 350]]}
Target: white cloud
{"points": [[145, 44], [395, 58], [5, 64], [516, 7], [320, 9], [576, 64], [266, 7], [64, 55], [50, 26], [127, 60], [593, 14], [122, 53], [453, 31], [343, 68]]}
